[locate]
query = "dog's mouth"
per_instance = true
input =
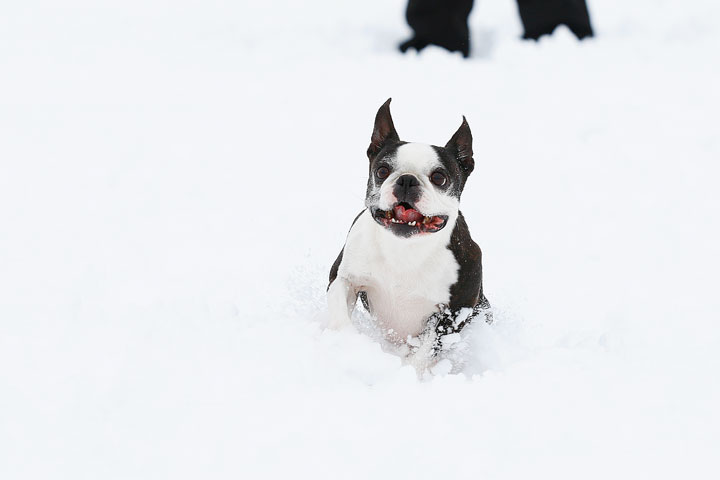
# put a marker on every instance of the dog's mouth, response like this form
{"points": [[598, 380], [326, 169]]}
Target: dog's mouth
{"points": [[405, 220]]}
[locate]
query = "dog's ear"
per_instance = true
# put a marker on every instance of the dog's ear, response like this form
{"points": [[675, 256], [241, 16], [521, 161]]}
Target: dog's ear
{"points": [[460, 145], [384, 132]]}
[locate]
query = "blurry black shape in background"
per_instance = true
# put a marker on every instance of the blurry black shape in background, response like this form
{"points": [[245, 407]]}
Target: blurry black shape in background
{"points": [[541, 17], [444, 22], [439, 22]]}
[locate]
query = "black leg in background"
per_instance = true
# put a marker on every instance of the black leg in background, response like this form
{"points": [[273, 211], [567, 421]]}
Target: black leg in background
{"points": [[541, 17]]}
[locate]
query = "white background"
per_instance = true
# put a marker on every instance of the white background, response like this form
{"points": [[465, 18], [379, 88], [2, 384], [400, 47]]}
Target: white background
{"points": [[176, 179]]}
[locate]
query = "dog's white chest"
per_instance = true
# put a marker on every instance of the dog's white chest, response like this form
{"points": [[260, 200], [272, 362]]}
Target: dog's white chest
{"points": [[404, 279]]}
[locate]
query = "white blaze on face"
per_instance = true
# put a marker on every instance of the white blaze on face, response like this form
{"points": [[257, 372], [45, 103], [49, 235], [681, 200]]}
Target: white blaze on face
{"points": [[421, 161]]}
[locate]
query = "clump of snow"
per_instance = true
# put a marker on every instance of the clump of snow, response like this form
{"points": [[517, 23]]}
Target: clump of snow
{"points": [[176, 181]]}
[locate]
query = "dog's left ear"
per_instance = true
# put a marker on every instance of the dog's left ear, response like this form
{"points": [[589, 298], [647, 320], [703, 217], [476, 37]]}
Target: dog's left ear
{"points": [[460, 145]]}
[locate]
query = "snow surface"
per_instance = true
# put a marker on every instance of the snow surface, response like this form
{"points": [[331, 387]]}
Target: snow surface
{"points": [[177, 177]]}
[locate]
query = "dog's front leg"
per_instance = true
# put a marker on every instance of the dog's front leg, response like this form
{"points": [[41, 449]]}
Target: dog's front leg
{"points": [[341, 297], [442, 326]]}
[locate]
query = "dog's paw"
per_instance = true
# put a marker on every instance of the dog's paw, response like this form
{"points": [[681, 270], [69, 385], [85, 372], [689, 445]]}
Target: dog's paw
{"points": [[429, 366], [338, 321], [338, 325], [442, 367], [421, 352]]}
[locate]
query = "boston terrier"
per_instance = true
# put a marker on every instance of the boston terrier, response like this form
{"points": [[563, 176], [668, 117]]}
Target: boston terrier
{"points": [[409, 256]]}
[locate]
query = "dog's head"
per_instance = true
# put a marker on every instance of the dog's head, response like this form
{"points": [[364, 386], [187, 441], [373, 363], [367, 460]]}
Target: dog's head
{"points": [[414, 189]]}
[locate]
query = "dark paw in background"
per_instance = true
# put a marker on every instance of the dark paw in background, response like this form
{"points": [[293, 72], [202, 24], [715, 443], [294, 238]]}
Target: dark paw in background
{"points": [[439, 22], [445, 22]]}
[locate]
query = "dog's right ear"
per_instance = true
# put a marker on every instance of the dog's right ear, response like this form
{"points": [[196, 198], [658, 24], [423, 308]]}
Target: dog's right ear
{"points": [[384, 132]]}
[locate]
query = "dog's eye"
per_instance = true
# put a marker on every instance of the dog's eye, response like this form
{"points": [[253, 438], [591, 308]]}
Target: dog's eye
{"points": [[382, 172], [438, 178]]}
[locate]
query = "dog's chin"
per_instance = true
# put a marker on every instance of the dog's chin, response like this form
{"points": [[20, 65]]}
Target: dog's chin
{"points": [[404, 220]]}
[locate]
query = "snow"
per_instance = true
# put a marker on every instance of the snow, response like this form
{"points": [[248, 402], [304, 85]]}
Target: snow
{"points": [[176, 179]]}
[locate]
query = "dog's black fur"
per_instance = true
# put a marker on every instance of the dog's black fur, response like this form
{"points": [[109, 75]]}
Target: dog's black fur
{"points": [[445, 22]]}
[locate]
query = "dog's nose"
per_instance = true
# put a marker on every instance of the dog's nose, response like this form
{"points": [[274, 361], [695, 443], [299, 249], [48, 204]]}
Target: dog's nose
{"points": [[407, 181], [407, 188]]}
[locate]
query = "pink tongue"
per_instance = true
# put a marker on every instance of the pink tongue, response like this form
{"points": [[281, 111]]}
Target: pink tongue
{"points": [[410, 215]]}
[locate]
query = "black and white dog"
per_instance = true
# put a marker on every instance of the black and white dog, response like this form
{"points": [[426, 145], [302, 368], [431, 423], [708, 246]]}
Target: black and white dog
{"points": [[409, 256]]}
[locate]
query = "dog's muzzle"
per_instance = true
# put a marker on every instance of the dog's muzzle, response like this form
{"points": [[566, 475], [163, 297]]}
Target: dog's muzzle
{"points": [[405, 220]]}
